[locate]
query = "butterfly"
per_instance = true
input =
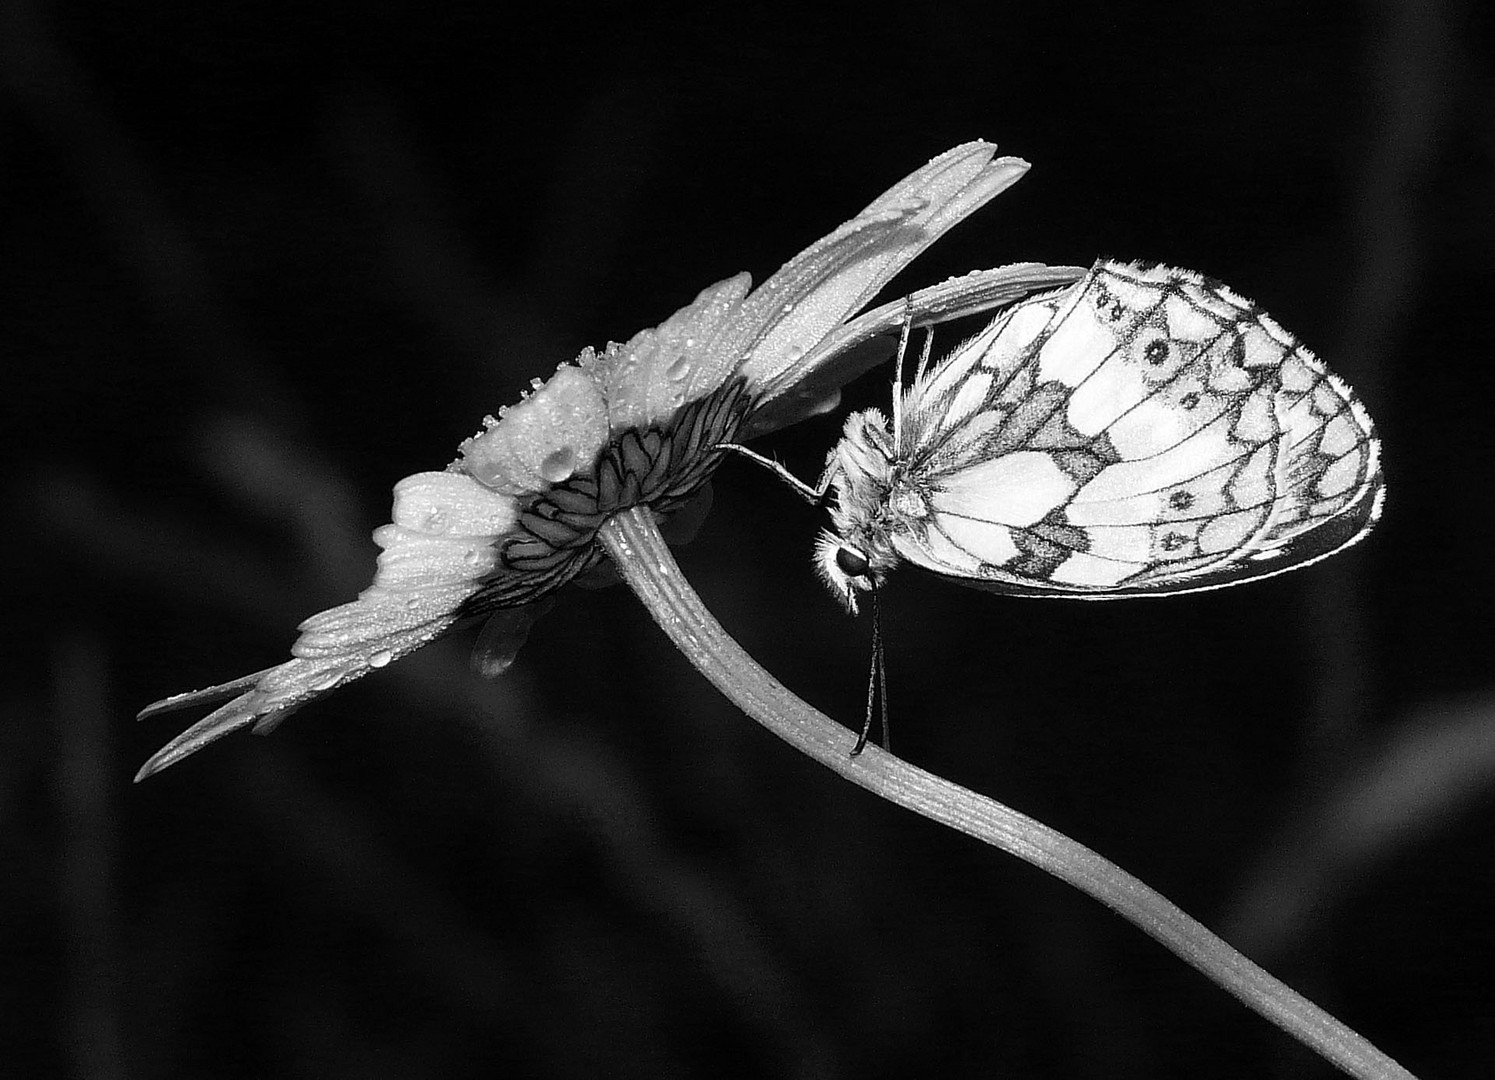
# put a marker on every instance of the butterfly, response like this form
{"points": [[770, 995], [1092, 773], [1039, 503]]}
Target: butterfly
{"points": [[1143, 432]]}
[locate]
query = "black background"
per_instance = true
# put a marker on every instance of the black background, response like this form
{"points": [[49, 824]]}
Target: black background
{"points": [[259, 261]]}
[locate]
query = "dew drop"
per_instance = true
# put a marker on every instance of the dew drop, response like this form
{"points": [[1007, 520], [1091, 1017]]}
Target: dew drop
{"points": [[381, 658], [678, 370], [787, 308], [472, 556], [327, 682], [558, 465], [795, 353]]}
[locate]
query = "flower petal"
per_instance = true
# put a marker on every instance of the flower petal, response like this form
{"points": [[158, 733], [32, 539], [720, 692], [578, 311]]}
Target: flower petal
{"points": [[436, 550], [550, 435], [797, 308], [801, 389], [647, 380]]}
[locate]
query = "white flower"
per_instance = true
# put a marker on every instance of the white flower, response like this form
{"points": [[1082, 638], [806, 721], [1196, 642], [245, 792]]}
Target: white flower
{"points": [[516, 516]]}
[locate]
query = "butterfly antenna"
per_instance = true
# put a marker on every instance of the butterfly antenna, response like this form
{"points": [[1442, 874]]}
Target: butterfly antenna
{"points": [[877, 684], [908, 324], [882, 673]]}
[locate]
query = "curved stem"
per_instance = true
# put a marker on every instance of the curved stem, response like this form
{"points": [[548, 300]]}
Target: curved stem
{"points": [[645, 562]]}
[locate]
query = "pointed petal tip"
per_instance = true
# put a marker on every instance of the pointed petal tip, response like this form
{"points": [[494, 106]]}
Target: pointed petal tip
{"points": [[150, 768], [169, 755], [242, 711], [184, 745], [206, 696]]}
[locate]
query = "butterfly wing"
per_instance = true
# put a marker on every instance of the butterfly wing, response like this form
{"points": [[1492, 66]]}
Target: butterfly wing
{"points": [[1145, 432]]}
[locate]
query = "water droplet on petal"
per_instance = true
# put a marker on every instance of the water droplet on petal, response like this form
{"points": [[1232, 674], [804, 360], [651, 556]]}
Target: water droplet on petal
{"points": [[678, 370], [558, 465], [381, 658], [787, 308], [795, 353], [472, 556]]}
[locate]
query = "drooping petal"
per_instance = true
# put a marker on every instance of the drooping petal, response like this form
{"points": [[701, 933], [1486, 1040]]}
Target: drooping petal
{"points": [[504, 634]]}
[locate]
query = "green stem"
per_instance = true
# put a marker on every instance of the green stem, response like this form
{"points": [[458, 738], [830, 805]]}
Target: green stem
{"points": [[644, 560]]}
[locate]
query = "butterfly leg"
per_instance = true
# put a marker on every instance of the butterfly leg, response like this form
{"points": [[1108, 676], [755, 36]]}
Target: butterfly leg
{"points": [[922, 369], [877, 686], [903, 332], [813, 495], [867, 723]]}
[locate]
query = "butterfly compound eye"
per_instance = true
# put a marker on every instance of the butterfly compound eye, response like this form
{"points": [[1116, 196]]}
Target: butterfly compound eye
{"points": [[851, 563]]}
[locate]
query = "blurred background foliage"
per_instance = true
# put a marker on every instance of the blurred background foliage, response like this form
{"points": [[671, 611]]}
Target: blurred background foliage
{"points": [[262, 260]]}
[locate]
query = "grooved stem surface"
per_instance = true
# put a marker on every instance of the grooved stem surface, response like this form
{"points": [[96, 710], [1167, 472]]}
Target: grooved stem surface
{"points": [[633, 541]]}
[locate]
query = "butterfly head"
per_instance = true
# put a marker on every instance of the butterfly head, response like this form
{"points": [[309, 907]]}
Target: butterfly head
{"points": [[856, 557], [846, 568]]}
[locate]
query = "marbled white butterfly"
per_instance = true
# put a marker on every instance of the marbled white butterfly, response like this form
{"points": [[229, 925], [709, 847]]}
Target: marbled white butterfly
{"points": [[1145, 431]]}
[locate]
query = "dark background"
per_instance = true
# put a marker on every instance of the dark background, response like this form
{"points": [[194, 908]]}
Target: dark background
{"points": [[259, 261]]}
